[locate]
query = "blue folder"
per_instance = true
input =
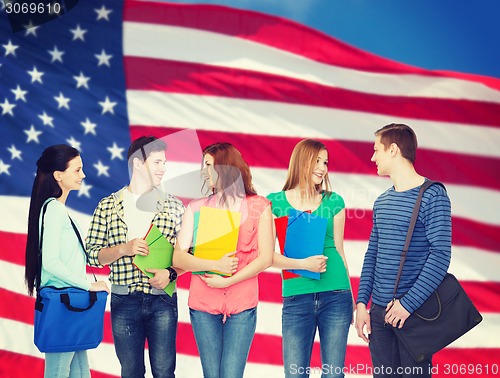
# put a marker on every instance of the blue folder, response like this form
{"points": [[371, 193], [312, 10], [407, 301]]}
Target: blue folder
{"points": [[305, 237]]}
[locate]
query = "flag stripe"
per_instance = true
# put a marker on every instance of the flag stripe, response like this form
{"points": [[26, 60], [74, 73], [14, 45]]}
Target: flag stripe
{"points": [[485, 295], [204, 33], [208, 80], [345, 156], [252, 117]]}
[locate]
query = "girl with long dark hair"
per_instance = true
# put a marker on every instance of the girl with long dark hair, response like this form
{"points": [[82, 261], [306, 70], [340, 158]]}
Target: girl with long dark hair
{"points": [[59, 171]]}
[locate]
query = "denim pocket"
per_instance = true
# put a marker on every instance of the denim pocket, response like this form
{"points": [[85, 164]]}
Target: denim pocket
{"points": [[169, 300], [116, 300]]}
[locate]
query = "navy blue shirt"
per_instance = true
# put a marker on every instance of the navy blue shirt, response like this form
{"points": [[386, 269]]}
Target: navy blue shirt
{"points": [[428, 255]]}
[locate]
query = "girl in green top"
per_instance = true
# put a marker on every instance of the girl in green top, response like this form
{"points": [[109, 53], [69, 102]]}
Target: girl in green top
{"points": [[308, 304]]}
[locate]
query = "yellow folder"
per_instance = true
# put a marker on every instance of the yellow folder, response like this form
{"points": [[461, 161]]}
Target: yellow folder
{"points": [[217, 233], [160, 255]]}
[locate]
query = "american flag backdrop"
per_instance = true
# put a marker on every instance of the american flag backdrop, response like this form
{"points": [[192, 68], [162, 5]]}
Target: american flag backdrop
{"points": [[107, 72]]}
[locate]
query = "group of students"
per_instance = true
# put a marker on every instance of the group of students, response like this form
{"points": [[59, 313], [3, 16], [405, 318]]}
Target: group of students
{"points": [[223, 309]]}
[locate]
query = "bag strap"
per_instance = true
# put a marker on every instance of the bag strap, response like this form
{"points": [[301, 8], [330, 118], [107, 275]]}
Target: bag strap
{"points": [[81, 243], [38, 278], [65, 299], [411, 227]]}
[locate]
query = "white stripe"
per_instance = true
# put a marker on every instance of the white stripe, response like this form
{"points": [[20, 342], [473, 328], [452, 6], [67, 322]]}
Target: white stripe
{"points": [[196, 46], [257, 117], [359, 192]]}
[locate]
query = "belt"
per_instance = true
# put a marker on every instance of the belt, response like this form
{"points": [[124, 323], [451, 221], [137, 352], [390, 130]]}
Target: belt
{"points": [[124, 290]]}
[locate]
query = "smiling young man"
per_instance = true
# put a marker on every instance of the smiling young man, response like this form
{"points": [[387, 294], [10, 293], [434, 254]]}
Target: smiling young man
{"points": [[140, 309], [427, 260]]}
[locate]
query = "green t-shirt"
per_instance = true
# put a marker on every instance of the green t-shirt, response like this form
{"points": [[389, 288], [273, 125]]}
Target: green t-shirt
{"points": [[335, 277]]}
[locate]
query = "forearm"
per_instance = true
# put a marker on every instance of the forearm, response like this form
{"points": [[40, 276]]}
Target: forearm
{"points": [[287, 263], [109, 255], [258, 265], [189, 263]]}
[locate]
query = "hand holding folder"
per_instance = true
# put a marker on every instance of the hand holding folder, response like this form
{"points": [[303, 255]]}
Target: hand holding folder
{"points": [[304, 237], [216, 234], [159, 257]]}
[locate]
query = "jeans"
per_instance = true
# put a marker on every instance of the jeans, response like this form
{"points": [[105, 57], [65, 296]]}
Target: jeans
{"points": [[331, 313], [223, 346], [138, 317], [67, 365], [390, 359]]}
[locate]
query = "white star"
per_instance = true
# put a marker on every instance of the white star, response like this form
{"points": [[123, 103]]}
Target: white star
{"points": [[84, 190], [62, 102], [15, 153], [78, 33], [7, 107], [46, 119], [107, 106], [101, 169], [116, 152], [103, 58], [10, 48], [103, 13], [89, 127], [32, 134], [19, 93], [30, 29], [75, 144], [4, 168], [56, 55], [82, 80], [36, 75]]}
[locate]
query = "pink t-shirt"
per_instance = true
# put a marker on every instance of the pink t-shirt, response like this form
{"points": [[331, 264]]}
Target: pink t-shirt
{"points": [[245, 294]]}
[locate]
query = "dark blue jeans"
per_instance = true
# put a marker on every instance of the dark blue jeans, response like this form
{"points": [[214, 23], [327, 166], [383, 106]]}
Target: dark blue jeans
{"points": [[330, 312], [389, 358], [138, 317], [223, 347]]}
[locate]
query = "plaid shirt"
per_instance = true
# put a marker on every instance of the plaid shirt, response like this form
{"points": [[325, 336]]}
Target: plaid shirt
{"points": [[108, 229]]}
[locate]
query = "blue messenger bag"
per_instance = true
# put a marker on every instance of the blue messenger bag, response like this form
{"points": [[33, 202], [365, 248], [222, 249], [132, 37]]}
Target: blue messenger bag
{"points": [[68, 319]]}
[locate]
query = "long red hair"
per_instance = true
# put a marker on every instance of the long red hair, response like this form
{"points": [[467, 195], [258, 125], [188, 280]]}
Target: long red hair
{"points": [[230, 167]]}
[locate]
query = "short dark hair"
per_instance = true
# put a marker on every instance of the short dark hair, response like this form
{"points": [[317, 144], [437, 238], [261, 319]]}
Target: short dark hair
{"points": [[402, 135], [142, 147]]}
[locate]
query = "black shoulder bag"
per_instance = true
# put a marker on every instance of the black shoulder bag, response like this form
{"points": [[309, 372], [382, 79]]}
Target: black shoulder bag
{"points": [[444, 317]]}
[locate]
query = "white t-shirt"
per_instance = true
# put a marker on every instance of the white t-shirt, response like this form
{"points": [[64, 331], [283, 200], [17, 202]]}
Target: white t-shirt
{"points": [[136, 217]]}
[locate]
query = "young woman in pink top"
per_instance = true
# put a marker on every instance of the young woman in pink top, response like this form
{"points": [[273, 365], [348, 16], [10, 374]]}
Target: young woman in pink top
{"points": [[223, 309]]}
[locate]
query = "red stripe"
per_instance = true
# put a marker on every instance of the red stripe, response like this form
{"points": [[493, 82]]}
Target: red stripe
{"points": [[465, 232], [13, 251], [345, 156], [192, 78], [276, 32]]}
